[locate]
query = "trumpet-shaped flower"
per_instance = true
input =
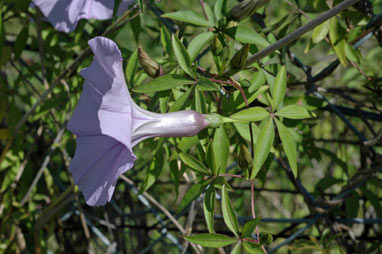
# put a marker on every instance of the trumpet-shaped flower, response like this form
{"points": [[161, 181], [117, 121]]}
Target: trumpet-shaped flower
{"points": [[108, 124], [65, 14]]}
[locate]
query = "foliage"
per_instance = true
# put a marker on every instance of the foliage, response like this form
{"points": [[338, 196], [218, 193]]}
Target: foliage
{"points": [[300, 144]]}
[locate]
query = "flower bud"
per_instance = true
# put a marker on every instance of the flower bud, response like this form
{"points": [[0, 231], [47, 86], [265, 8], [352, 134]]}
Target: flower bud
{"points": [[240, 58], [266, 239], [217, 47], [246, 8], [151, 67]]}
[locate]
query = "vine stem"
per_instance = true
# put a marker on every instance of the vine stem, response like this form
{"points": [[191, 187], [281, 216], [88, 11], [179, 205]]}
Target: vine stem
{"points": [[298, 33]]}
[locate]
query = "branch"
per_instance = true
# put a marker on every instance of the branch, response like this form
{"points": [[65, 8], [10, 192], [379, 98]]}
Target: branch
{"points": [[298, 33]]}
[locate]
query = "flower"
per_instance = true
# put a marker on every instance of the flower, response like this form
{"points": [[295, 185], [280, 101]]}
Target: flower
{"points": [[108, 124], [65, 14]]}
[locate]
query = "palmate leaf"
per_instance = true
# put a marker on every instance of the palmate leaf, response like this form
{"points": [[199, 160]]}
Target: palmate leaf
{"points": [[211, 240], [289, 145], [263, 145]]}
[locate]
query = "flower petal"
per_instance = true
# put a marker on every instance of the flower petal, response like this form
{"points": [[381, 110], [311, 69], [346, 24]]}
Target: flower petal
{"points": [[96, 166], [102, 121], [65, 14]]}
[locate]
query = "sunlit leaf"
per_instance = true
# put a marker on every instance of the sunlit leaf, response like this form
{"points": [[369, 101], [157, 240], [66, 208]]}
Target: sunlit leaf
{"points": [[182, 56], [211, 240], [289, 145], [190, 17], [198, 43], [263, 146], [251, 114], [246, 35], [221, 148], [279, 88], [163, 83], [294, 112]]}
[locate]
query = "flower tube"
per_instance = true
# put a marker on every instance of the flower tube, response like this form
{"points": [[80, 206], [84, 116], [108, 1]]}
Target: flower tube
{"points": [[108, 124], [65, 14]]}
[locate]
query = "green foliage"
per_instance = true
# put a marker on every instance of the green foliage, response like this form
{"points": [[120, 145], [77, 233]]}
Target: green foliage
{"points": [[301, 125]]}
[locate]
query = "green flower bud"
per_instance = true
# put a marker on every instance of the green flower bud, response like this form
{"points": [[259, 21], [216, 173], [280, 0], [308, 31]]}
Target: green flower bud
{"points": [[216, 46], [266, 239], [246, 8], [151, 67], [240, 58]]}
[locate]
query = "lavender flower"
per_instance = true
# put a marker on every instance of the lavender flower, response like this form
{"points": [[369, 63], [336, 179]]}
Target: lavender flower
{"points": [[108, 124], [65, 14]]}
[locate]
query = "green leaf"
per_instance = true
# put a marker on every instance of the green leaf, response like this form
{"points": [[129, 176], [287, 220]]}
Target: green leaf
{"points": [[352, 54], [336, 34], [236, 249], [251, 114], [320, 32], [205, 84], [220, 9], [193, 193], [229, 216], [21, 42], [263, 145], [289, 145], [200, 103], [210, 14], [246, 35], [211, 240], [194, 164], [252, 248], [221, 148], [257, 80], [210, 158], [198, 43], [179, 103], [208, 207], [131, 68], [163, 83], [279, 88], [165, 39], [190, 17], [182, 56], [249, 227], [294, 112]]}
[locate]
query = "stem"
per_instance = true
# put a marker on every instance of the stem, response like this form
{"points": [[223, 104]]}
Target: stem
{"points": [[298, 33]]}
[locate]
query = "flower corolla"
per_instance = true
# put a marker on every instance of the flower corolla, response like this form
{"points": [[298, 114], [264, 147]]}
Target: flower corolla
{"points": [[65, 14], [108, 124]]}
